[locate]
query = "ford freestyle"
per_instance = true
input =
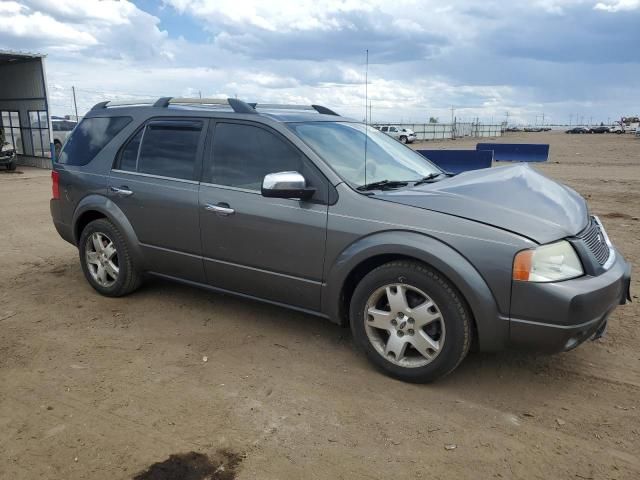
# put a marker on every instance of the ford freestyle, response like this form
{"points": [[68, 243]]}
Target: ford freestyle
{"points": [[300, 207]]}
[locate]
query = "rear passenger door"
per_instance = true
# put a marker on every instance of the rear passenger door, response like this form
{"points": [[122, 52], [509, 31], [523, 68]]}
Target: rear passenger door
{"points": [[155, 183], [270, 248]]}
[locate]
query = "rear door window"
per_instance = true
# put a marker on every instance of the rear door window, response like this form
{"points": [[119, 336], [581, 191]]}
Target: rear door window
{"points": [[170, 149], [91, 136], [166, 148]]}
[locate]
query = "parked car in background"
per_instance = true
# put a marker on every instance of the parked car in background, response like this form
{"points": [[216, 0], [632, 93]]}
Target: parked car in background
{"points": [[403, 135], [7, 153], [578, 130], [62, 128], [625, 125], [287, 206], [600, 129], [638, 132]]}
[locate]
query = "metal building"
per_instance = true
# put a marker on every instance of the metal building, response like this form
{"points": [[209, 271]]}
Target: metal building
{"points": [[24, 107]]}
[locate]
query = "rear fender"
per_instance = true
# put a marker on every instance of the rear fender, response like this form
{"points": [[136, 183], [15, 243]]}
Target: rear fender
{"points": [[110, 210]]}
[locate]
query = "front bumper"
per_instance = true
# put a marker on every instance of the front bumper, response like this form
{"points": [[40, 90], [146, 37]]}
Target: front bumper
{"points": [[558, 316]]}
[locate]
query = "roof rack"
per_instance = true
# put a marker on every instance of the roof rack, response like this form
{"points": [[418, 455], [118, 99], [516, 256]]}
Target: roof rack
{"points": [[238, 106], [282, 106]]}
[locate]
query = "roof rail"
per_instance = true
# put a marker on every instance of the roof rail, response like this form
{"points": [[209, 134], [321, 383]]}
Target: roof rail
{"points": [[282, 106], [238, 106]]}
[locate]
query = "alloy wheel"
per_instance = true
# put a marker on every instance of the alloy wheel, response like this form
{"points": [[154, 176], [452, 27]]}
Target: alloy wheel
{"points": [[404, 325], [102, 259]]}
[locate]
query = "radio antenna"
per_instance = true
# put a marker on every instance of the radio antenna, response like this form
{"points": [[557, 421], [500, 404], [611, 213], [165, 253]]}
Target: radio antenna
{"points": [[366, 123]]}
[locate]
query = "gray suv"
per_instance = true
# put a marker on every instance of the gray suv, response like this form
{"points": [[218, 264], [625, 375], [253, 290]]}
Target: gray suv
{"points": [[300, 207]]}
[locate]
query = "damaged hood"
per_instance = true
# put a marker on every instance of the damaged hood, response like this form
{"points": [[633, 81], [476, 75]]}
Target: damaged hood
{"points": [[515, 198]]}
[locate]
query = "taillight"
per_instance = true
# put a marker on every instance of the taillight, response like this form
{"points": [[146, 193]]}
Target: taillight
{"points": [[55, 184]]}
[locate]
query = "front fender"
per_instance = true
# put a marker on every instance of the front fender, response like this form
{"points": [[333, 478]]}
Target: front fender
{"points": [[102, 204], [492, 328]]}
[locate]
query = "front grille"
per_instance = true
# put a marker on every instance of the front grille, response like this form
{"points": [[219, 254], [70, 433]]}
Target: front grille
{"points": [[595, 239]]}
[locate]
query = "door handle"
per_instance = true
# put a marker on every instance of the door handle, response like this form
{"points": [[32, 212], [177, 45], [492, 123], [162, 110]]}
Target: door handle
{"points": [[122, 191], [221, 208]]}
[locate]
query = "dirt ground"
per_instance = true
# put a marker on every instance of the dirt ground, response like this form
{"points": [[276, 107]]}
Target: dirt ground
{"points": [[92, 387]]}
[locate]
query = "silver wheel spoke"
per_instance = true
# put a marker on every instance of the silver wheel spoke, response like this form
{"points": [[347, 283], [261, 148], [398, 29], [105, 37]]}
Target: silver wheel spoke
{"points": [[92, 258], [397, 296], [423, 316], [379, 318], [109, 250], [101, 274], [423, 343], [111, 269], [97, 242], [395, 345]]}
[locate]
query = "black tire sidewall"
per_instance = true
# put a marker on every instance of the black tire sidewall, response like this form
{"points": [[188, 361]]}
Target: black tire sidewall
{"points": [[450, 303], [403, 140], [106, 227]]}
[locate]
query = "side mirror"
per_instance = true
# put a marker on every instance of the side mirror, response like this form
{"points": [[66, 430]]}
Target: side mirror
{"points": [[286, 185]]}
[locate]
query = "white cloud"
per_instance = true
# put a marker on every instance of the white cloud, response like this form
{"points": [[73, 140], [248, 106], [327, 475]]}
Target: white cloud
{"points": [[71, 27], [22, 23], [483, 58], [618, 5]]}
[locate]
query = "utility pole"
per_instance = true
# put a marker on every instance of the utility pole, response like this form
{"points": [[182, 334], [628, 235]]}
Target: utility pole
{"points": [[370, 121], [507, 118], [75, 105], [570, 118], [543, 119], [200, 94]]}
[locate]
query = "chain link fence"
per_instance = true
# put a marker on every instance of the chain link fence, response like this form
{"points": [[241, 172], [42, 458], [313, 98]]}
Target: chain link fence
{"points": [[441, 131]]}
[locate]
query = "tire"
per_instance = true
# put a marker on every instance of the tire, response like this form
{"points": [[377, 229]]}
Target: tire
{"points": [[57, 146], [126, 279], [429, 298], [11, 165], [403, 139]]}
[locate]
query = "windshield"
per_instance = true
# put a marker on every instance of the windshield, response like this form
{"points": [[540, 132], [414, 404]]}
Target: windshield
{"points": [[342, 146]]}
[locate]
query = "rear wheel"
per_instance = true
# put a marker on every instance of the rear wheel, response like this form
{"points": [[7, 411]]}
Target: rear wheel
{"points": [[410, 321], [106, 261]]}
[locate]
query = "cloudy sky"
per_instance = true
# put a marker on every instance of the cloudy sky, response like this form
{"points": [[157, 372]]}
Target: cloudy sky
{"points": [[563, 58]]}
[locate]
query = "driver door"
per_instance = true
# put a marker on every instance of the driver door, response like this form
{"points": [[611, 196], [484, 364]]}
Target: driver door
{"points": [[270, 248]]}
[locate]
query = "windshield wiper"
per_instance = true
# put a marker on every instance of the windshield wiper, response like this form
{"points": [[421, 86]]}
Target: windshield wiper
{"points": [[381, 185], [431, 176]]}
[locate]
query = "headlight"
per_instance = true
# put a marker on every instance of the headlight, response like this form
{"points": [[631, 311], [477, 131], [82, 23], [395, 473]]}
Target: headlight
{"points": [[547, 263]]}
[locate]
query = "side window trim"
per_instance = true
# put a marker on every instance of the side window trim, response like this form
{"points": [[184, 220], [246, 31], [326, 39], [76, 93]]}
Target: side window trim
{"points": [[144, 129]]}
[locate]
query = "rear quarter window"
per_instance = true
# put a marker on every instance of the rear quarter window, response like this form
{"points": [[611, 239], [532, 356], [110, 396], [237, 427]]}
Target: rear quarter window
{"points": [[90, 137]]}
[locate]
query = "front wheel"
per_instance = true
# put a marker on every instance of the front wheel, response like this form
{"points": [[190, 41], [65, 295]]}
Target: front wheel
{"points": [[11, 165], [403, 139], [410, 321], [106, 261]]}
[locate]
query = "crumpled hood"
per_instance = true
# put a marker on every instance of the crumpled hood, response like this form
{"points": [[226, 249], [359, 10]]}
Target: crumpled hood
{"points": [[515, 198]]}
